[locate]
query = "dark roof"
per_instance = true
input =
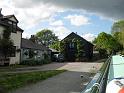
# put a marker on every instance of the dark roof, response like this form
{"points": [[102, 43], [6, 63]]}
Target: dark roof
{"points": [[74, 34], [9, 16], [31, 45], [5, 23]]}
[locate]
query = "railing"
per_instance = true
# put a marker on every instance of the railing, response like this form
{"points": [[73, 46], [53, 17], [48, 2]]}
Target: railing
{"points": [[98, 83]]}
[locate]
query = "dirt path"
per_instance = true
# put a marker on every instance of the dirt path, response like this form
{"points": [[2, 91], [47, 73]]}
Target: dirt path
{"points": [[67, 82]]}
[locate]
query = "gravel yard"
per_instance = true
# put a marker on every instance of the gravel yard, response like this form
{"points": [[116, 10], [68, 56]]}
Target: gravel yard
{"points": [[67, 82]]}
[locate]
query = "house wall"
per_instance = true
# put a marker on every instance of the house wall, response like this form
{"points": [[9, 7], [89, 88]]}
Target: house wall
{"points": [[1, 31], [23, 55], [16, 38], [71, 52], [40, 54], [13, 19]]}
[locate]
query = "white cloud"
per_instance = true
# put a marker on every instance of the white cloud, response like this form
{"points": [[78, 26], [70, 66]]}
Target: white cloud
{"points": [[27, 12], [60, 31], [26, 35], [56, 23], [78, 20], [89, 36], [109, 8], [7, 7], [29, 17]]}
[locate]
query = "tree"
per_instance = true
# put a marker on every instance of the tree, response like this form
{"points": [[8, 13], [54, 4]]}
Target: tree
{"points": [[80, 50], [118, 31], [56, 45], [6, 44], [47, 37], [118, 26], [106, 42]]}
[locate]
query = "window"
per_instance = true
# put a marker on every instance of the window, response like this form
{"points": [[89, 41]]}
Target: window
{"points": [[13, 51], [13, 26], [71, 45]]}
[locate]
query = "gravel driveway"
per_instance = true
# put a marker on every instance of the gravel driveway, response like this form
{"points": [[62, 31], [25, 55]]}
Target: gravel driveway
{"points": [[67, 82]]}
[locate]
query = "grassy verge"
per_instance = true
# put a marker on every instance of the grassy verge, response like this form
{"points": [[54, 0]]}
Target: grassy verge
{"points": [[11, 68], [11, 82]]}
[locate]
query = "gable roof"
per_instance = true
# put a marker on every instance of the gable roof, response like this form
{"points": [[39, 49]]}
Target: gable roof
{"points": [[74, 34], [31, 45], [8, 17]]}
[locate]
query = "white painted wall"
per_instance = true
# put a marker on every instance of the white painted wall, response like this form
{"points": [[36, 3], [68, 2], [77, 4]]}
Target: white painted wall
{"points": [[1, 31], [16, 38], [13, 19]]}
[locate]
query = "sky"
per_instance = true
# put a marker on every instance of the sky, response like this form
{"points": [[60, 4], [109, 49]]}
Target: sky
{"points": [[87, 18]]}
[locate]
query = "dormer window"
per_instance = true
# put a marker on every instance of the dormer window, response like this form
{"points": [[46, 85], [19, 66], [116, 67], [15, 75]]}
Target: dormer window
{"points": [[13, 26]]}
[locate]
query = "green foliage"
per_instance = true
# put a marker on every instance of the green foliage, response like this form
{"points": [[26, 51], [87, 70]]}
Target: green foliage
{"points": [[6, 44], [47, 37], [13, 81], [56, 45], [62, 46], [117, 26], [63, 49], [31, 53], [33, 62], [47, 59], [118, 31], [122, 38], [78, 46], [80, 49], [106, 42], [103, 53]]}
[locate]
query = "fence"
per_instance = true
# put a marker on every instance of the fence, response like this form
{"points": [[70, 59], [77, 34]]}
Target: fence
{"points": [[98, 83]]}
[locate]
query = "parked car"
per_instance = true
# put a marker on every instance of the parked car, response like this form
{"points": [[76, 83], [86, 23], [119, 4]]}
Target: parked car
{"points": [[61, 58]]}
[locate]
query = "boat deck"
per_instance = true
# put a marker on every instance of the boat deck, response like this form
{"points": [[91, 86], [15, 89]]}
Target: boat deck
{"points": [[116, 67]]}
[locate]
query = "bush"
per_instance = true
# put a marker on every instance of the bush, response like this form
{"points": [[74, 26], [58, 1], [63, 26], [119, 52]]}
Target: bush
{"points": [[33, 62], [82, 60], [122, 52]]}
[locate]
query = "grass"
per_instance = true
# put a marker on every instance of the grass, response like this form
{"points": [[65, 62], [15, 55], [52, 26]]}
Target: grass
{"points": [[11, 82]]}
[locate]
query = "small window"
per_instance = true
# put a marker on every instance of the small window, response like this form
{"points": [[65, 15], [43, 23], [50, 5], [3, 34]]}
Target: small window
{"points": [[13, 26], [13, 51], [71, 45]]}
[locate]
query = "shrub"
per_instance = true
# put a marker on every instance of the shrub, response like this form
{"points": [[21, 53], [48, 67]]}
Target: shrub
{"points": [[33, 62], [122, 52]]}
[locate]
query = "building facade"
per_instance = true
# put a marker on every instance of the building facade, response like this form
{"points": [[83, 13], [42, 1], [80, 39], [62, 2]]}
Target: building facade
{"points": [[76, 48], [34, 51], [10, 22]]}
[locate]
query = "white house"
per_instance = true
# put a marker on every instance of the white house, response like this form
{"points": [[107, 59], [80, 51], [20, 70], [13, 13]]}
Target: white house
{"points": [[38, 50], [11, 22]]}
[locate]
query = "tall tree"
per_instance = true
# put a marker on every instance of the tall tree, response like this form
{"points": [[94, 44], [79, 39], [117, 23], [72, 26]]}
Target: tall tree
{"points": [[6, 44], [56, 45], [118, 26], [118, 31], [47, 37], [105, 41]]}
